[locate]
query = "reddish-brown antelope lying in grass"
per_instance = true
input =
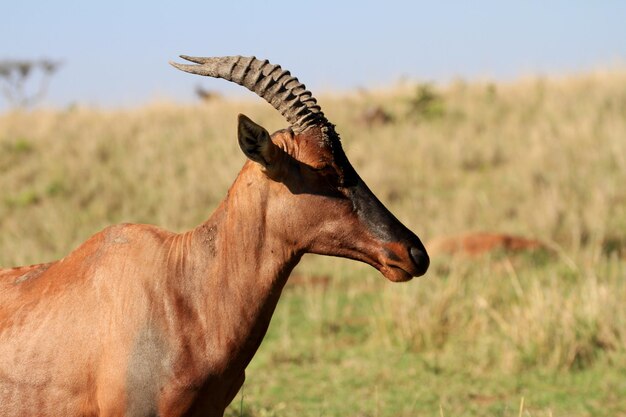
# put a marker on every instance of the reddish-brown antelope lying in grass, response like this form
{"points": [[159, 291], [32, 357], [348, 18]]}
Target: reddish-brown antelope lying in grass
{"points": [[139, 321]]}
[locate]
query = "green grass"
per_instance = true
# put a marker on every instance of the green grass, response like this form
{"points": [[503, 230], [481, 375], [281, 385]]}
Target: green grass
{"points": [[353, 348], [505, 334]]}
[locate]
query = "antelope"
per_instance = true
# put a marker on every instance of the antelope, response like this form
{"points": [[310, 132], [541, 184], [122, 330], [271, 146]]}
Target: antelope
{"points": [[205, 95], [139, 321]]}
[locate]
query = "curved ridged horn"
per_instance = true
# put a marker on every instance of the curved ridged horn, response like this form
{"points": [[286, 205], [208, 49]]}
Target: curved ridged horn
{"points": [[284, 92]]}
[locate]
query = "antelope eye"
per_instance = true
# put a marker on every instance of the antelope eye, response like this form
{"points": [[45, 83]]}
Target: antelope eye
{"points": [[324, 169], [330, 175]]}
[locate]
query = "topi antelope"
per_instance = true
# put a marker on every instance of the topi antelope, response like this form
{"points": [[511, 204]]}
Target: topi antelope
{"points": [[139, 321]]}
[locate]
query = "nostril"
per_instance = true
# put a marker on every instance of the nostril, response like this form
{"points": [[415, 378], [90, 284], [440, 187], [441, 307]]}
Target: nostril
{"points": [[420, 259]]}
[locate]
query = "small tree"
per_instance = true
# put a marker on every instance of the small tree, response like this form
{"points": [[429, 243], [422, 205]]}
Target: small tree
{"points": [[14, 77]]}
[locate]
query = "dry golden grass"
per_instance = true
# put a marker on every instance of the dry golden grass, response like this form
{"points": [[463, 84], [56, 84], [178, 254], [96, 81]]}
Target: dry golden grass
{"points": [[539, 158]]}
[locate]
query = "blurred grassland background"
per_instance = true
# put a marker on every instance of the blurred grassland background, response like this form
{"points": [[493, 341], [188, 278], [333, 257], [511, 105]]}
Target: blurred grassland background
{"points": [[533, 333]]}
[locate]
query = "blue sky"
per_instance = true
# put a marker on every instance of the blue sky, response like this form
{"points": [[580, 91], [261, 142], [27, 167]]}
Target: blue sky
{"points": [[115, 53]]}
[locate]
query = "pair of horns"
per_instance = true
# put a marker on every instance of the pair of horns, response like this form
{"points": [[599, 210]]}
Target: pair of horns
{"points": [[270, 82]]}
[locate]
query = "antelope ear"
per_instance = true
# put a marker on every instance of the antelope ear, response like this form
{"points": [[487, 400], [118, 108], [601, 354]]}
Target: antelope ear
{"points": [[255, 142]]}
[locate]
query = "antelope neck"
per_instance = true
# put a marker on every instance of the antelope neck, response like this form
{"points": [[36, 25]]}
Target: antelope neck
{"points": [[244, 269]]}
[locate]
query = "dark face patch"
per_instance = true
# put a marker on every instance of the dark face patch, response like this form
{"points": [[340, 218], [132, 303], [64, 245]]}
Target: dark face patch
{"points": [[380, 222], [370, 210]]}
